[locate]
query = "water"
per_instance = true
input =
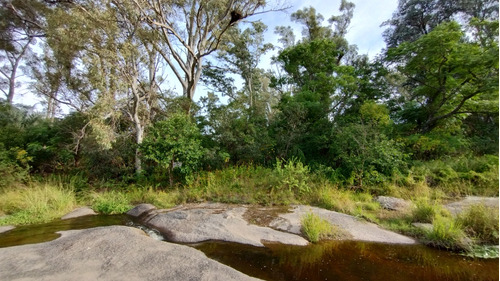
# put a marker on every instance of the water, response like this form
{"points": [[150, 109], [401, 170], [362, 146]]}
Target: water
{"points": [[350, 260], [29, 234], [333, 260]]}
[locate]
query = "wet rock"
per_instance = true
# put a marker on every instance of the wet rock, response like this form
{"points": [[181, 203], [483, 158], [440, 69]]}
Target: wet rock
{"points": [[393, 203], [205, 222], [80, 212], [6, 228], [359, 230], [462, 205], [141, 209], [110, 253]]}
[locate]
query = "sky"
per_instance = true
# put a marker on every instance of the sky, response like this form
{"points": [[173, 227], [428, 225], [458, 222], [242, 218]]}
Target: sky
{"points": [[364, 31]]}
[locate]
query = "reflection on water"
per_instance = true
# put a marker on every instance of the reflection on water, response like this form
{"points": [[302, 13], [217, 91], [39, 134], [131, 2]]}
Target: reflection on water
{"points": [[349, 260], [30, 234]]}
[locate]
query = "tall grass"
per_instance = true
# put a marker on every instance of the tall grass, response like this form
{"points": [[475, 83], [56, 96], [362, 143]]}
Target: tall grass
{"points": [[37, 203], [481, 223], [448, 233]]}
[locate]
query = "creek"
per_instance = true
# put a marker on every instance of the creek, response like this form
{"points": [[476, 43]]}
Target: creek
{"points": [[331, 260]]}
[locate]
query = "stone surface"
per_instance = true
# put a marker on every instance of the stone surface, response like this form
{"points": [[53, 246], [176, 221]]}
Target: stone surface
{"points": [[6, 228], [110, 253], [80, 212], [359, 230], [141, 209], [393, 203], [460, 206], [424, 226], [203, 222]]}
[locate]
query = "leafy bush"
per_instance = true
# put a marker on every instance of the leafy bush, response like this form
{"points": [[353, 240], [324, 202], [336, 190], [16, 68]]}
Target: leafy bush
{"points": [[294, 175], [480, 222]]}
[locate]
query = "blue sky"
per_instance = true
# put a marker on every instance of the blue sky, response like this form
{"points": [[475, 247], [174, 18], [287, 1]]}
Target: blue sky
{"points": [[364, 31]]}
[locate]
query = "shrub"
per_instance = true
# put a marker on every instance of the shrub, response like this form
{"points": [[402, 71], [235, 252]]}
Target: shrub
{"points": [[480, 222], [110, 203], [294, 175]]}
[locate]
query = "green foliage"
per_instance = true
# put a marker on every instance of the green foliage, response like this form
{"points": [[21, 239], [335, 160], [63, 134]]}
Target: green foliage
{"points": [[481, 223], [293, 175], [174, 140], [38, 203], [110, 202], [448, 76]]}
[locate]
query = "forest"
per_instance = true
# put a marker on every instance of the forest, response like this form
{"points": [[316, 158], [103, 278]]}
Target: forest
{"points": [[322, 125]]}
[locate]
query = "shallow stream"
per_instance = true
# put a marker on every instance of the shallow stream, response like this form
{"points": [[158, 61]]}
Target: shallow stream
{"points": [[333, 260]]}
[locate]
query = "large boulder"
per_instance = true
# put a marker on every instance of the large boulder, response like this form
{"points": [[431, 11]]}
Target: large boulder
{"points": [[203, 222], [358, 230], [110, 253]]}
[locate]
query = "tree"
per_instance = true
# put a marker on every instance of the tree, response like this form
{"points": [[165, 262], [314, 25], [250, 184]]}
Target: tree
{"points": [[448, 76], [192, 30], [172, 142], [415, 18], [119, 67], [22, 22]]}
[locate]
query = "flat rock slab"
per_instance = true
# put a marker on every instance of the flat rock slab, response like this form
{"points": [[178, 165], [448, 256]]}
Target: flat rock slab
{"points": [[110, 253], [6, 228], [460, 206], [80, 212], [359, 230], [203, 222]]}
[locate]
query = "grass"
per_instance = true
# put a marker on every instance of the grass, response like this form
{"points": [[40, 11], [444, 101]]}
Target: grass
{"points": [[481, 223], [37, 203], [110, 202], [315, 228], [448, 233]]}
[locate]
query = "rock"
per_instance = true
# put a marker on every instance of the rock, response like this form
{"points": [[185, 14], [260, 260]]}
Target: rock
{"points": [[6, 228], [359, 230], [393, 203], [460, 206], [110, 253], [80, 212], [424, 226], [205, 222], [141, 209]]}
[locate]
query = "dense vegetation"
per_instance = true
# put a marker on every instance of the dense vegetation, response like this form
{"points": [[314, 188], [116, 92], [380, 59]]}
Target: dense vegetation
{"points": [[328, 127]]}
